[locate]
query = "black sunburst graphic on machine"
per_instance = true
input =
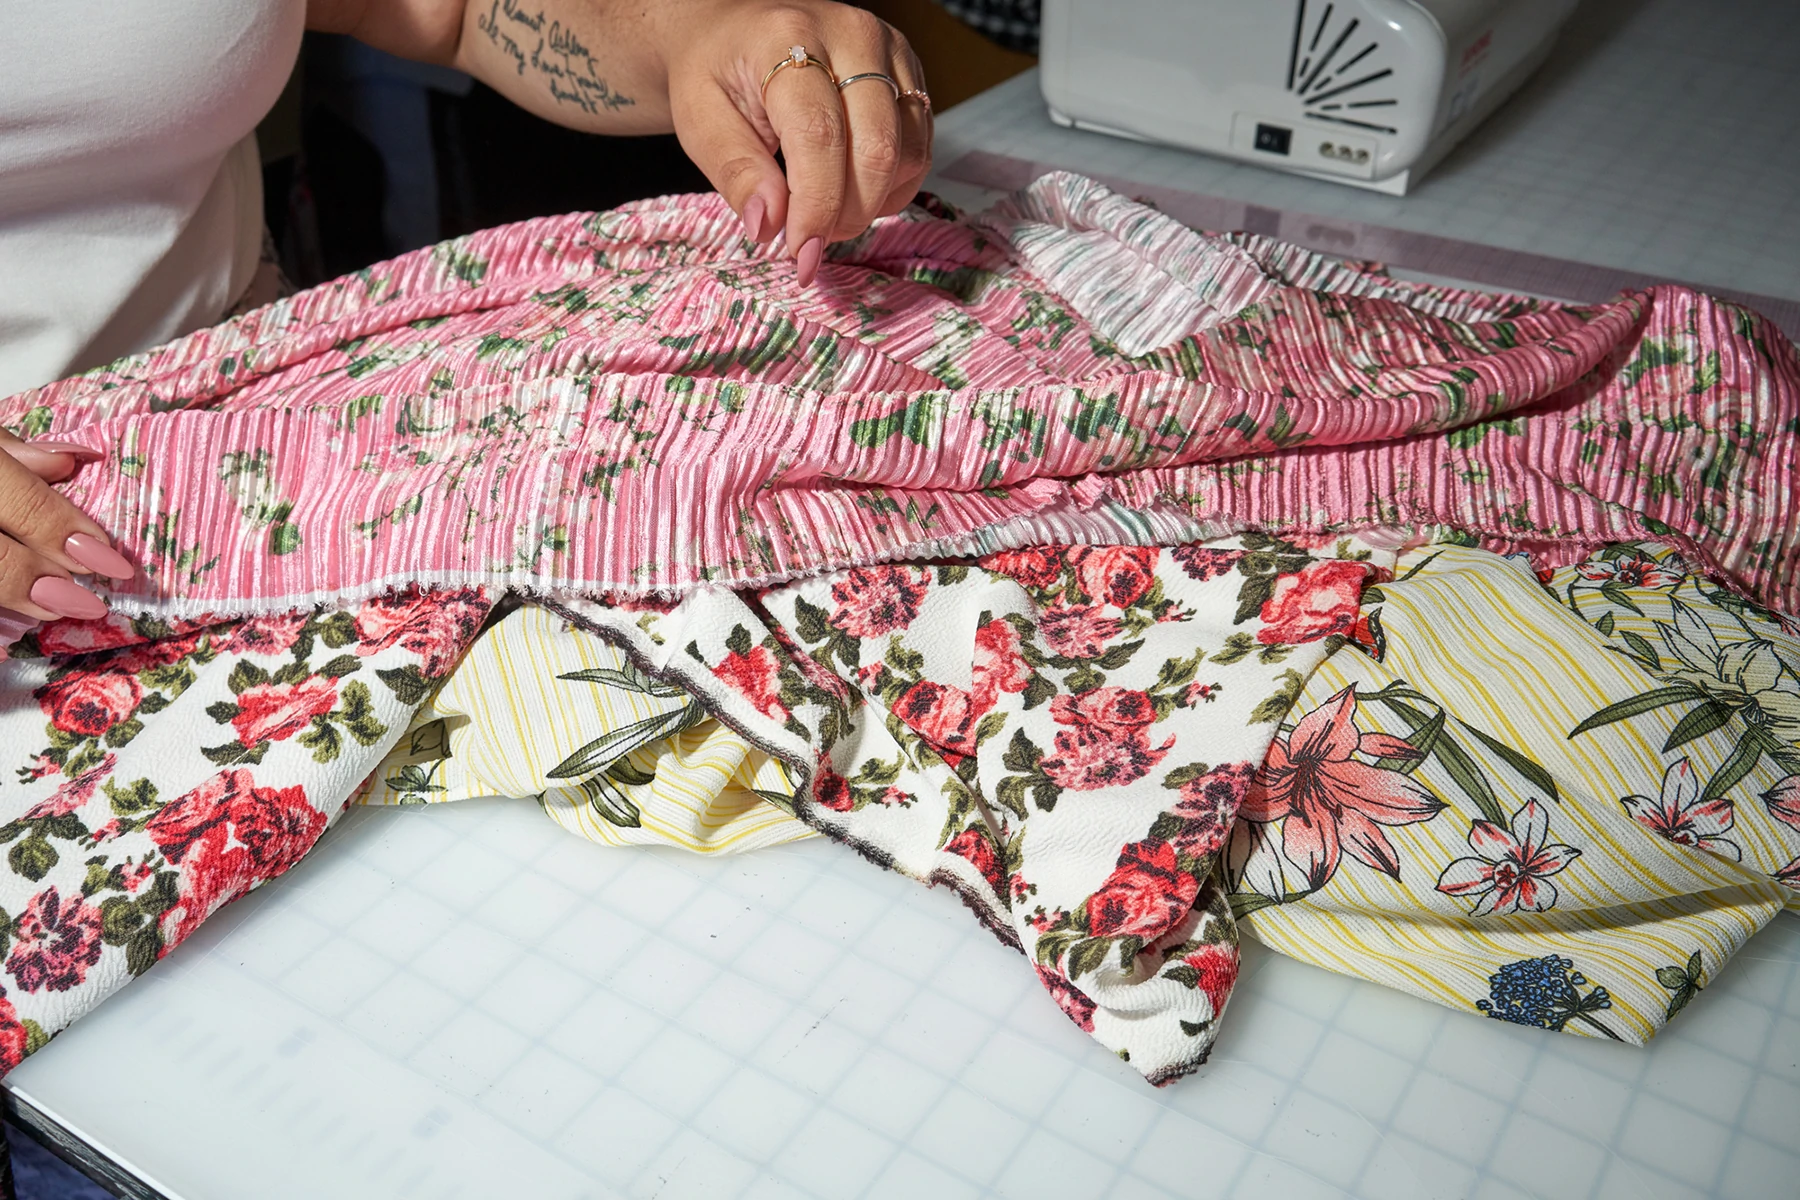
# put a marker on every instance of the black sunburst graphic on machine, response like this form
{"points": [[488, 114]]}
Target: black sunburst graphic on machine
{"points": [[1331, 69]]}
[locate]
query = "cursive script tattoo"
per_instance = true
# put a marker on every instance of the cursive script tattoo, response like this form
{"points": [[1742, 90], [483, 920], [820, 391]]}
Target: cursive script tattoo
{"points": [[554, 53]]}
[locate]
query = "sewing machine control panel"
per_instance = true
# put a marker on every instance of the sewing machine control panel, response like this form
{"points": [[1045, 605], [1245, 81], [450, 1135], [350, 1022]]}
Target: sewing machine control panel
{"points": [[1306, 148]]}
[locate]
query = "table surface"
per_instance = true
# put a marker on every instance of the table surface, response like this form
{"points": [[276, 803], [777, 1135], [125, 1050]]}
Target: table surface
{"points": [[1659, 138], [465, 1001]]}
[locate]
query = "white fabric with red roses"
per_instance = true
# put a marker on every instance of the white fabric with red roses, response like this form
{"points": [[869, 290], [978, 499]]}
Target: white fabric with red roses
{"points": [[154, 772], [1062, 734]]}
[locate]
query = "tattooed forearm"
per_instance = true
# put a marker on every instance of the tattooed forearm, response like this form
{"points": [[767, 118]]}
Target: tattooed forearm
{"points": [[553, 53]]}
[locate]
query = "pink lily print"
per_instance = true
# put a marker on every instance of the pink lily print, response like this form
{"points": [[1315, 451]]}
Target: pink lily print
{"points": [[1334, 803], [1684, 815], [1511, 871], [1784, 805]]}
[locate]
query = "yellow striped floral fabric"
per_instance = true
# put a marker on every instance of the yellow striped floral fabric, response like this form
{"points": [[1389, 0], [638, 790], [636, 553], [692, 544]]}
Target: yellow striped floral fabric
{"points": [[1562, 800], [639, 765]]}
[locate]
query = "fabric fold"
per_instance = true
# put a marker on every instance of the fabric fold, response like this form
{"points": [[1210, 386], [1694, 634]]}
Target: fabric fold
{"points": [[642, 401], [1013, 554]]}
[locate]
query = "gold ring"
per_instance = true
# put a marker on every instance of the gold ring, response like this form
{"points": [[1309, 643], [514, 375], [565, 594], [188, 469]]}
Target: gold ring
{"points": [[796, 57], [916, 94], [887, 79]]}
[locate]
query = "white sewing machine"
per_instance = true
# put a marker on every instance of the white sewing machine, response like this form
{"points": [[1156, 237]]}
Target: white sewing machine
{"points": [[1366, 92]]}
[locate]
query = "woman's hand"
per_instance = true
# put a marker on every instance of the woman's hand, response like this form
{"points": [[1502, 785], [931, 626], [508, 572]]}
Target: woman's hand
{"points": [[45, 540], [698, 67], [852, 155]]}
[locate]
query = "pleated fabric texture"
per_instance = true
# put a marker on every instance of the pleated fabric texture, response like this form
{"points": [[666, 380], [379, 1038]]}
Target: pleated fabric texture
{"points": [[644, 401]]}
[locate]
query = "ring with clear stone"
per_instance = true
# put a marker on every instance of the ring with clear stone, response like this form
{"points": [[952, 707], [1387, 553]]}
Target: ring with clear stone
{"points": [[797, 56]]}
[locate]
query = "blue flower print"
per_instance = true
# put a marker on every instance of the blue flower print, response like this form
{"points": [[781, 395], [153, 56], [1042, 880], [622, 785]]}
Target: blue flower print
{"points": [[1544, 992]]}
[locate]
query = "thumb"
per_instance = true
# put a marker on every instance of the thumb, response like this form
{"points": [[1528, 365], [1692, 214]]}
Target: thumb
{"points": [[736, 157]]}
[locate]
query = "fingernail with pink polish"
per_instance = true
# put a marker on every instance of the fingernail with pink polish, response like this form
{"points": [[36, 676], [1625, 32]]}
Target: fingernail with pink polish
{"points": [[67, 599], [79, 451], [97, 556], [54, 467], [753, 218], [807, 261]]}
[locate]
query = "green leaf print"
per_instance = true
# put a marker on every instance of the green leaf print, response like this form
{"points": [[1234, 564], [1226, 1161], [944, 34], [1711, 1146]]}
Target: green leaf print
{"points": [[1635, 706], [497, 343], [1707, 376], [357, 409], [245, 674], [1698, 722], [32, 858], [1443, 749], [408, 683], [628, 678], [284, 537], [621, 741], [1424, 739], [1470, 436], [131, 799], [1683, 981], [469, 268], [413, 782], [36, 421], [1245, 903], [1469, 777], [358, 714], [1651, 355], [630, 774], [781, 800], [916, 422], [1096, 417], [1245, 424], [610, 804], [1281, 430], [1237, 647], [1742, 760], [1276, 705], [1532, 772], [237, 752], [1640, 650], [322, 738]]}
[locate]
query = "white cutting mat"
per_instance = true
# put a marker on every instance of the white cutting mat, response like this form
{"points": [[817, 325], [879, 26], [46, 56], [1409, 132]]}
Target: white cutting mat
{"points": [[465, 1001]]}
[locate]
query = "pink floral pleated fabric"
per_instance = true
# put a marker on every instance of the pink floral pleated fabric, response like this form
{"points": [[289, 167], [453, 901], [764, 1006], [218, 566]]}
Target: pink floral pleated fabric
{"points": [[644, 401]]}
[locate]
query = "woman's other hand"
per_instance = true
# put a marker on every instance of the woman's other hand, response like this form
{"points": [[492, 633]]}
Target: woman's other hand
{"points": [[699, 67], [852, 155], [44, 540]]}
